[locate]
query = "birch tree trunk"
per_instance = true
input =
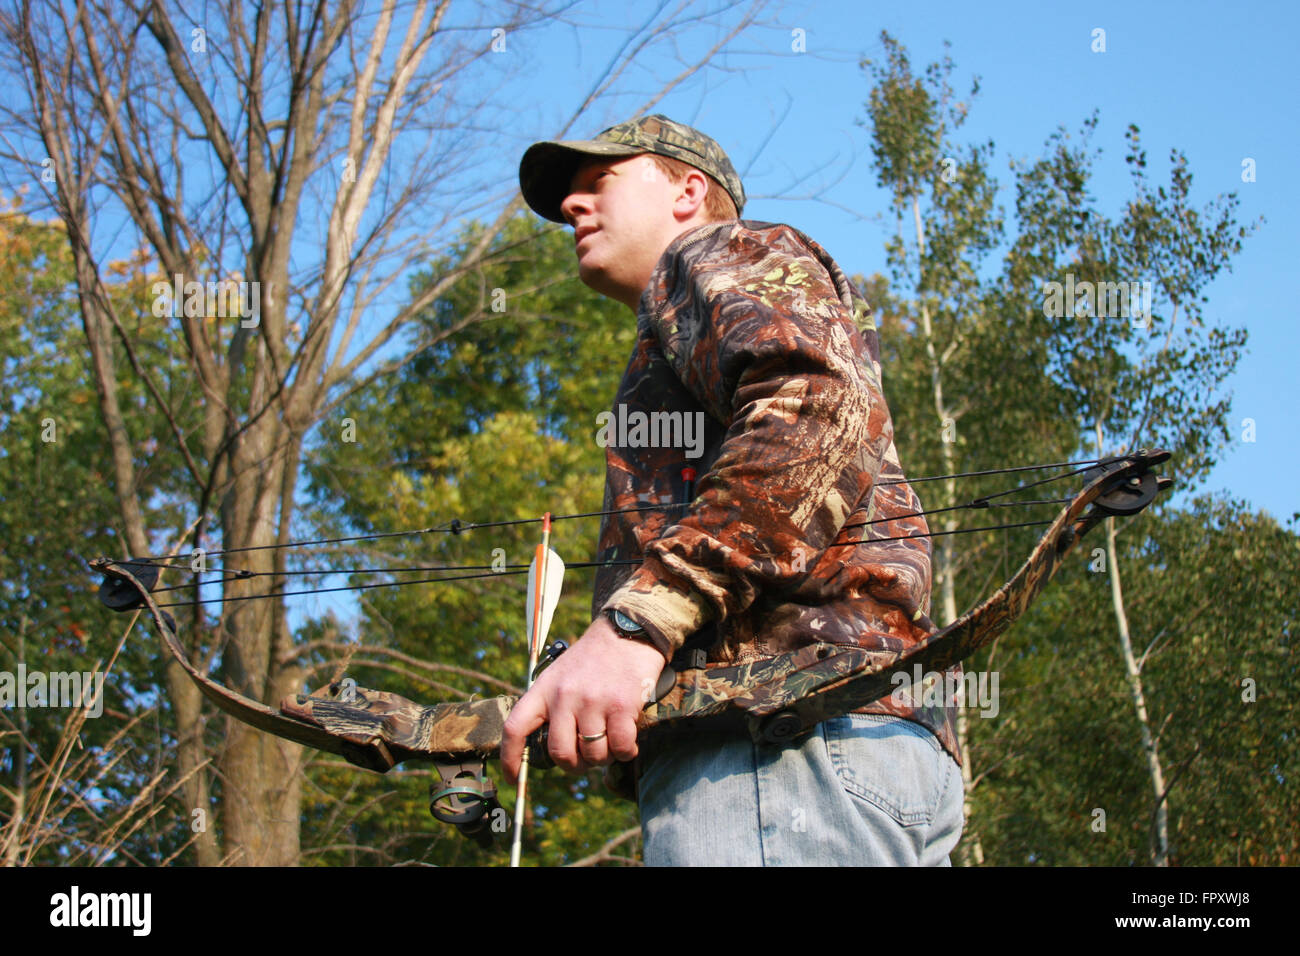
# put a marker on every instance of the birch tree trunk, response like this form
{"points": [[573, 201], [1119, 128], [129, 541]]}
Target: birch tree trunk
{"points": [[945, 571], [1133, 674]]}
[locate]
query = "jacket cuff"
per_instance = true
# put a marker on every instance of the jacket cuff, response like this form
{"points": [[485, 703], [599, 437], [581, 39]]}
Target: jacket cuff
{"points": [[669, 613]]}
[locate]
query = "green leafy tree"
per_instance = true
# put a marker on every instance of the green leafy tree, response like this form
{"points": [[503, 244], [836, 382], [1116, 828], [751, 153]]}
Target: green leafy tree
{"points": [[73, 788], [1219, 678], [1129, 341], [992, 361]]}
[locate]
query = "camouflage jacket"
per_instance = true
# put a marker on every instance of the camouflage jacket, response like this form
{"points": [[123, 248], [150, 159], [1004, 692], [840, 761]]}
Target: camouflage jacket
{"points": [[758, 365]]}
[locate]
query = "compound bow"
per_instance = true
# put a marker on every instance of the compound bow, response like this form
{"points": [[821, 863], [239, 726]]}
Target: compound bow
{"points": [[774, 699]]}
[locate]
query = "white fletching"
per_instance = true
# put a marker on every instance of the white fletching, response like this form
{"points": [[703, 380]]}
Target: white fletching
{"points": [[554, 582]]}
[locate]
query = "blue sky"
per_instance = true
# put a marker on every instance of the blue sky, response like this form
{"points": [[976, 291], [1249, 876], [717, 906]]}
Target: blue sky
{"points": [[1220, 84]]}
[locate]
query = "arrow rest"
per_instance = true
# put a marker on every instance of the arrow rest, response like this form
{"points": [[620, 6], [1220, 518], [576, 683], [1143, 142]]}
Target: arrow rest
{"points": [[549, 655]]}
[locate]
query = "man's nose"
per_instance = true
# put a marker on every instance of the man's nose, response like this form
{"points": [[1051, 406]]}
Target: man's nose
{"points": [[574, 205]]}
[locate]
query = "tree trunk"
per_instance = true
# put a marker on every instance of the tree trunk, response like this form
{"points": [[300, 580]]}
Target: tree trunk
{"points": [[945, 571], [1133, 672]]}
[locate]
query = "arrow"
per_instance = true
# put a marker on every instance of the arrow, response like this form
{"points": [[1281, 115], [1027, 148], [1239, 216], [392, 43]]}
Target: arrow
{"points": [[545, 578]]}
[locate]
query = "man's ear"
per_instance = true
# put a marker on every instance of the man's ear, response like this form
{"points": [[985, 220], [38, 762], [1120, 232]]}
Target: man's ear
{"points": [[690, 196]]}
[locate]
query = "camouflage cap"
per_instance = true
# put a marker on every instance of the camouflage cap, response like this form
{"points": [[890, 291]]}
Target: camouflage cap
{"points": [[547, 168]]}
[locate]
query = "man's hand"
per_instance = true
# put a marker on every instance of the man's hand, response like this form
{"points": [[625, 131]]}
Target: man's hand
{"points": [[597, 686]]}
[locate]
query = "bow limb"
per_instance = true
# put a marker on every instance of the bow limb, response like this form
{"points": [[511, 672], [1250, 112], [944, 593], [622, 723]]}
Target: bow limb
{"points": [[784, 696], [372, 729]]}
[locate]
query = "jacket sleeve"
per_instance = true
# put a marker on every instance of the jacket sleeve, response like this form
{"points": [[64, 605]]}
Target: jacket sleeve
{"points": [[763, 341]]}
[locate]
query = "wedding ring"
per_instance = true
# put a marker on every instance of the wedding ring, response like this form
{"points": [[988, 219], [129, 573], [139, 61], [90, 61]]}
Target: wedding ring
{"points": [[592, 738]]}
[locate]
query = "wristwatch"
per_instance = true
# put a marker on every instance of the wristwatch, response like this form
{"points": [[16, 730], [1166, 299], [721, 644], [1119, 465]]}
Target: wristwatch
{"points": [[624, 626]]}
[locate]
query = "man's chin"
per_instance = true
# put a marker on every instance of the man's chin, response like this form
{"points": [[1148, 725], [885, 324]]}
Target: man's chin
{"points": [[600, 280], [595, 279]]}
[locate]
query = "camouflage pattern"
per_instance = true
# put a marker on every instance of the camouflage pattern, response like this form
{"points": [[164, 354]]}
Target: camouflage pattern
{"points": [[756, 327], [547, 168], [391, 728]]}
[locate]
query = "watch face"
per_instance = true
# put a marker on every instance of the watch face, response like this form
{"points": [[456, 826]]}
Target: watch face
{"points": [[625, 623]]}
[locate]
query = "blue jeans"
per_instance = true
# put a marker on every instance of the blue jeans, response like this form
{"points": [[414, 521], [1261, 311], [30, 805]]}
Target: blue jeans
{"points": [[860, 790]]}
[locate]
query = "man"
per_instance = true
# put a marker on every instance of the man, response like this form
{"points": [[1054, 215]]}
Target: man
{"points": [[754, 329]]}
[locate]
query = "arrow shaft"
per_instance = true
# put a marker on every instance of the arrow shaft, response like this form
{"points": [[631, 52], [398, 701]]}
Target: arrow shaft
{"points": [[535, 637]]}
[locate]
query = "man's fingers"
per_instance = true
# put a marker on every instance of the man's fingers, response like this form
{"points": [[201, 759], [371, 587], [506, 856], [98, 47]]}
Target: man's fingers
{"points": [[562, 742], [528, 714], [593, 751], [597, 688], [621, 730]]}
